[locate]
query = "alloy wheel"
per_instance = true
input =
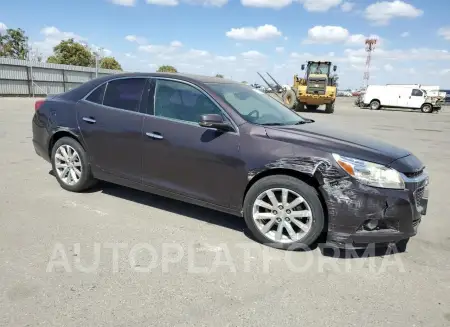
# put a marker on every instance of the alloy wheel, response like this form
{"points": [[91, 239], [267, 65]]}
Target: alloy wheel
{"points": [[282, 215], [68, 164]]}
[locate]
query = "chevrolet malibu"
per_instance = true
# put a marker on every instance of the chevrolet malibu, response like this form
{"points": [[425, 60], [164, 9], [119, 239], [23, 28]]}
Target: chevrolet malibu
{"points": [[226, 146]]}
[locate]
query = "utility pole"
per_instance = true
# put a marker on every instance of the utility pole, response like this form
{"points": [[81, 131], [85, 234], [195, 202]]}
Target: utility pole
{"points": [[370, 47]]}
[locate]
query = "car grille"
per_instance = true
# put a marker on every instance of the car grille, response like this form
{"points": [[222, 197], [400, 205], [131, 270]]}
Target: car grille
{"points": [[418, 195], [316, 86]]}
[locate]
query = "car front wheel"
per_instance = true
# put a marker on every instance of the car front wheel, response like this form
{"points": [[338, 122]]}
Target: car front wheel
{"points": [[284, 212], [70, 165]]}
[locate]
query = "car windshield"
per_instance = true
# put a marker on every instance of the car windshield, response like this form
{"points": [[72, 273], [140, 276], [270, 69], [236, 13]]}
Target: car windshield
{"points": [[255, 106]]}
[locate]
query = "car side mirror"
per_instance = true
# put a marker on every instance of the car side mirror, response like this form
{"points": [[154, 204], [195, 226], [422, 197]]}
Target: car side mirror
{"points": [[334, 68], [215, 121], [303, 67]]}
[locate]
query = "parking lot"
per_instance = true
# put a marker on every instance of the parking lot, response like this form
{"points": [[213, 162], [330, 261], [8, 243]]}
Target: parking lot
{"points": [[199, 267]]}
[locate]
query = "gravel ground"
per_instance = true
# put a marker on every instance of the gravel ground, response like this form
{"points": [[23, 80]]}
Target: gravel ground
{"points": [[180, 265]]}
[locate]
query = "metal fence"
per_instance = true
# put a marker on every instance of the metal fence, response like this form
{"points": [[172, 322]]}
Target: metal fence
{"points": [[32, 78]]}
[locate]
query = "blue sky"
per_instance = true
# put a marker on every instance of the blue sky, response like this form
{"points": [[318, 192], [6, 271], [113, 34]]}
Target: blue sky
{"points": [[237, 38]]}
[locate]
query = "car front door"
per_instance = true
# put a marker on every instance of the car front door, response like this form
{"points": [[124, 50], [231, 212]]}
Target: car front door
{"points": [[416, 99], [110, 122], [183, 157]]}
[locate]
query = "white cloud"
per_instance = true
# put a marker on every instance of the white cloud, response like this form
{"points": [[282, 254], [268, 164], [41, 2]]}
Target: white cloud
{"points": [[381, 13], [52, 37], [136, 39], [252, 54], [275, 4], [388, 68], [212, 3], [163, 2], [126, 3], [444, 32], [279, 49], [336, 34], [254, 33], [347, 6], [319, 5], [3, 28], [412, 71], [327, 34], [404, 34], [176, 44], [130, 55], [157, 49], [229, 58]]}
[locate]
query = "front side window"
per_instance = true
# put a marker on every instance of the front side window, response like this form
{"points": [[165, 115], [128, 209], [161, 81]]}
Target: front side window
{"points": [[124, 93], [417, 93], [181, 101], [255, 106]]}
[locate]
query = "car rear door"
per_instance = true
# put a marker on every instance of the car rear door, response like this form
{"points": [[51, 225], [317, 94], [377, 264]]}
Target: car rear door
{"points": [[110, 122], [183, 157]]}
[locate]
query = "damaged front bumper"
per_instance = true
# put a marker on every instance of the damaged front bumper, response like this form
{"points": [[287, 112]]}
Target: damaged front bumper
{"points": [[360, 215]]}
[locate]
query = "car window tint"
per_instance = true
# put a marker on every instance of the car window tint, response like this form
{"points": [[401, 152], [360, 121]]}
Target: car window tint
{"points": [[97, 95], [124, 93], [181, 101]]}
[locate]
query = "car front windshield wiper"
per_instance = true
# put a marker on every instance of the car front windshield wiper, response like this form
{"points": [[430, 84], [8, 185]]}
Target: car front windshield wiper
{"points": [[305, 121], [272, 124]]}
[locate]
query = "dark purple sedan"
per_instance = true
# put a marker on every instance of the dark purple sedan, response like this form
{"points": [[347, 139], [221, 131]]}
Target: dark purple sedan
{"points": [[227, 146]]}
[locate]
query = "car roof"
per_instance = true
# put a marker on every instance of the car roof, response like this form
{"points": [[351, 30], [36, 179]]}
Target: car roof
{"points": [[84, 89]]}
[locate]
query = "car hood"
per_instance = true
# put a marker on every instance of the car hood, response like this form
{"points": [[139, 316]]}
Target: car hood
{"points": [[332, 140]]}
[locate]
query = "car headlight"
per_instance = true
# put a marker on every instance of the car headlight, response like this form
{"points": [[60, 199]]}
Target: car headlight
{"points": [[370, 173]]}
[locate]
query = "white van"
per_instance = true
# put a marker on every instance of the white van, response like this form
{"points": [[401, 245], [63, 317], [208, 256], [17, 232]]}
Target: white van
{"points": [[391, 96]]}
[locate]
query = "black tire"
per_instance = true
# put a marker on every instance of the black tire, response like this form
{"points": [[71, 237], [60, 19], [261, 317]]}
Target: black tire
{"points": [[300, 107], [86, 179], [375, 105], [290, 99], [312, 107], [308, 192], [427, 108], [329, 108]]}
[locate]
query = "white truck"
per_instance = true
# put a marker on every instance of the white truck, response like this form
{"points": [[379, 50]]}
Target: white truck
{"points": [[432, 90], [400, 96]]}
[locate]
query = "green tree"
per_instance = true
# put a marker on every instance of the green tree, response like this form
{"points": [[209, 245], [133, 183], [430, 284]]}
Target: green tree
{"points": [[70, 52], [244, 82], [14, 44], [167, 69], [219, 75], [110, 63]]}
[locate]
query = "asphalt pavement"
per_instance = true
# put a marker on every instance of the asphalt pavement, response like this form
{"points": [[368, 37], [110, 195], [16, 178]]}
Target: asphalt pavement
{"points": [[120, 257]]}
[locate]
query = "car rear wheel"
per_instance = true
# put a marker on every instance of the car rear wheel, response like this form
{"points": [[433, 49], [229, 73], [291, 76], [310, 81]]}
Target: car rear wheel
{"points": [[375, 105], [284, 212], [70, 165], [427, 108]]}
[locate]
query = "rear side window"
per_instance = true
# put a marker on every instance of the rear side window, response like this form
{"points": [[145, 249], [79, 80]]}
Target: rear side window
{"points": [[124, 93], [97, 95]]}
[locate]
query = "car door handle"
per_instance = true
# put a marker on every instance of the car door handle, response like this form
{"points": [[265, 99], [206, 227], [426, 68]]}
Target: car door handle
{"points": [[155, 136], [89, 120]]}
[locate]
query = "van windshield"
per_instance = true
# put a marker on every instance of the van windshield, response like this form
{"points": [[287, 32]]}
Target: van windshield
{"points": [[255, 106]]}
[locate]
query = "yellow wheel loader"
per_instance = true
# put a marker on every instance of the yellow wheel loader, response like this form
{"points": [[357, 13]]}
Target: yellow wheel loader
{"points": [[318, 87]]}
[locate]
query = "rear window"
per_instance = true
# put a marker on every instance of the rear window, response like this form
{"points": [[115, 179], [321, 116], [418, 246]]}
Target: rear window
{"points": [[124, 93]]}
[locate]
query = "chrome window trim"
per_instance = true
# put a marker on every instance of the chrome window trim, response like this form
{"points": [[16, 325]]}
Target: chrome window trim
{"points": [[233, 123], [111, 80]]}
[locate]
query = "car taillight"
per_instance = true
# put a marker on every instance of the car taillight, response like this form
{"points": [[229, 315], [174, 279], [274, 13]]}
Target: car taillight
{"points": [[38, 104]]}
